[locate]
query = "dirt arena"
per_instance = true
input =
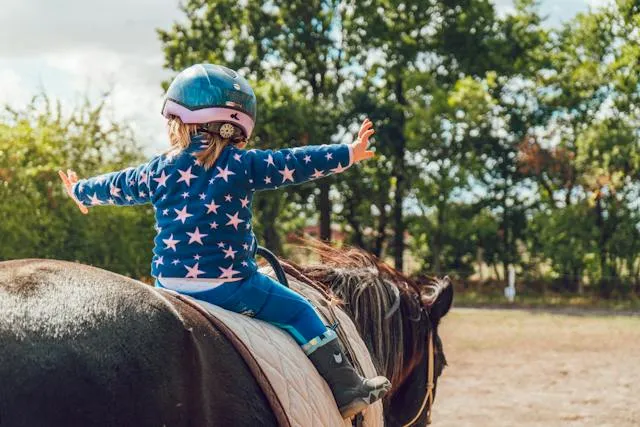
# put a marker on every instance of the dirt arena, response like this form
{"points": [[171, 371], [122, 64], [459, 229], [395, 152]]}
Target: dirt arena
{"points": [[518, 368]]}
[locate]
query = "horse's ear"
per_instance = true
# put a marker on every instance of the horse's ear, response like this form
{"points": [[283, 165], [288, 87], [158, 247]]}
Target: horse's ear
{"points": [[443, 299]]}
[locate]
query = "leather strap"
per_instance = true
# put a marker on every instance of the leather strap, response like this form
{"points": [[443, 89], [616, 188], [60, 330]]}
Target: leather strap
{"points": [[427, 402]]}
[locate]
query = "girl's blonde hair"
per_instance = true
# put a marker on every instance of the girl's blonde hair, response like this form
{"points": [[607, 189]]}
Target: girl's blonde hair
{"points": [[180, 137]]}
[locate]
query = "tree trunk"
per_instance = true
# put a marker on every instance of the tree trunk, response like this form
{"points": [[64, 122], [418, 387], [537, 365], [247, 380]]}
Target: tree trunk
{"points": [[357, 237], [579, 283], [324, 206], [269, 207], [480, 261], [605, 281], [398, 221], [399, 170]]}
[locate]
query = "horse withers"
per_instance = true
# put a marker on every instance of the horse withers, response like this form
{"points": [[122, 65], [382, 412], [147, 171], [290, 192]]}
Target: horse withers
{"points": [[80, 346]]}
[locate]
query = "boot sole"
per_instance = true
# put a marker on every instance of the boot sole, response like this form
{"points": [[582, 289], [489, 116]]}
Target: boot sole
{"points": [[360, 404]]}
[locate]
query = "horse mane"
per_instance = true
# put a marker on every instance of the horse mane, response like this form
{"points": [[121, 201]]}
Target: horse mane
{"points": [[384, 304]]}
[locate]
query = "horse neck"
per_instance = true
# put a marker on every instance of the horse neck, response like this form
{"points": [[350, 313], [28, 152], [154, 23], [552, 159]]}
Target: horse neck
{"points": [[391, 323]]}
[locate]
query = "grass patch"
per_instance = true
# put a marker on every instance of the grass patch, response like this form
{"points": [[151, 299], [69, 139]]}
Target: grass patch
{"points": [[471, 298]]}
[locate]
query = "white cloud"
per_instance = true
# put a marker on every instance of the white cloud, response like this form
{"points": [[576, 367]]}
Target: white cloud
{"points": [[599, 3], [44, 26], [132, 81], [13, 89]]}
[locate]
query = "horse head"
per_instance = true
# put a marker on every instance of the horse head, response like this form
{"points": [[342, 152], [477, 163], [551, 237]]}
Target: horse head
{"points": [[411, 400], [398, 320]]}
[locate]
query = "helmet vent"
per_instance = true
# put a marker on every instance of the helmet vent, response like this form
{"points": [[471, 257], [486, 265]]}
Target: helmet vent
{"points": [[229, 72]]}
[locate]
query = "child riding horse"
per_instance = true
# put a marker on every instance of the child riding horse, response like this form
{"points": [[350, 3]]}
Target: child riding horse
{"points": [[202, 189]]}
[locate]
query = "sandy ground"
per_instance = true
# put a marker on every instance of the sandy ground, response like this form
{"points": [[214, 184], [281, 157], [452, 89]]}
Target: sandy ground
{"points": [[516, 368]]}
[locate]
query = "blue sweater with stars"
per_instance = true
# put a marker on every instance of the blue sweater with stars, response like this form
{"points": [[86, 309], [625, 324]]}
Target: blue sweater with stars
{"points": [[203, 217]]}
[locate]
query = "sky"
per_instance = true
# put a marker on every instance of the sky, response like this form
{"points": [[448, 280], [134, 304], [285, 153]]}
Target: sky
{"points": [[70, 48]]}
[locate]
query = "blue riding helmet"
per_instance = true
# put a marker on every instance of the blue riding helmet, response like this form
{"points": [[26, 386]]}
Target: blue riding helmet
{"points": [[208, 93]]}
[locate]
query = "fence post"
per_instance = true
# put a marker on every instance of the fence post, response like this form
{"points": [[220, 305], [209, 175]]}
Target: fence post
{"points": [[510, 290]]}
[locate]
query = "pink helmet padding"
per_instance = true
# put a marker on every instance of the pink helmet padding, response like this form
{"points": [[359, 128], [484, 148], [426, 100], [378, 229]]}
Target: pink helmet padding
{"points": [[209, 115]]}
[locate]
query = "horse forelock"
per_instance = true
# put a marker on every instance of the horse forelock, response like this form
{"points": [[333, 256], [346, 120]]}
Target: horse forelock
{"points": [[384, 304]]}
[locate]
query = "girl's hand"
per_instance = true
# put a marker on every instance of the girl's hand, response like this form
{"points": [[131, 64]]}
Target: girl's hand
{"points": [[68, 180], [360, 147]]}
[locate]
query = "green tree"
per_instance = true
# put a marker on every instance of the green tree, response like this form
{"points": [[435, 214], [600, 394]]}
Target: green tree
{"points": [[37, 219]]}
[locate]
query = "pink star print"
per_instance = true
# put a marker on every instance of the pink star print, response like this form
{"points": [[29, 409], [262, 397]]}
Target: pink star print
{"points": [[329, 156], [267, 180], [162, 179], [234, 220], [185, 195], [269, 161], [228, 197], [212, 207], [227, 273], [182, 214], [244, 202], [229, 253], [186, 176], [214, 225], [237, 156], [307, 158], [94, 200], [224, 173], [171, 243], [339, 169], [159, 261], [221, 245], [317, 173], [194, 271], [196, 236], [287, 174], [115, 191], [203, 196]]}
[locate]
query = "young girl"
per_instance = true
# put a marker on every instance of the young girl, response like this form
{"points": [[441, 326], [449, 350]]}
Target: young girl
{"points": [[201, 191]]}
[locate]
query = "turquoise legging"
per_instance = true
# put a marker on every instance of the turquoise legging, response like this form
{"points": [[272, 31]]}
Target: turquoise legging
{"points": [[262, 297]]}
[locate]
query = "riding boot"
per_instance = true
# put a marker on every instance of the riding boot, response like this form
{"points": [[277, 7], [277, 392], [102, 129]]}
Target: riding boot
{"points": [[352, 392]]}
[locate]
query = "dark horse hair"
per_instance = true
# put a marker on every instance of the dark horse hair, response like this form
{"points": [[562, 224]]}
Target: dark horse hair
{"points": [[386, 306]]}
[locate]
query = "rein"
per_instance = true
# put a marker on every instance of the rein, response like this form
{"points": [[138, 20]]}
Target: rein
{"points": [[427, 402]]}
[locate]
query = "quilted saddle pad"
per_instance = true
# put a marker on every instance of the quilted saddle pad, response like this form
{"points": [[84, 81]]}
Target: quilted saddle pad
{"points": [[304, 396]]}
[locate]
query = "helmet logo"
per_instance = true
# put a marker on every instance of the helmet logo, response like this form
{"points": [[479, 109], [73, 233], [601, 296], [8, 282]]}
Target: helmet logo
{"points": [[235, 116]]}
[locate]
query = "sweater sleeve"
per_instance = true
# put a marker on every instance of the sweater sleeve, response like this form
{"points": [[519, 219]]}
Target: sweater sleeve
{"points": [[269, 169], [129, 186]]}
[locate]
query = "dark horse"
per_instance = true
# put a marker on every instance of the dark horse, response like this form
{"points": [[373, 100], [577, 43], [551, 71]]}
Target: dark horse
{"points": [[80, 346]]}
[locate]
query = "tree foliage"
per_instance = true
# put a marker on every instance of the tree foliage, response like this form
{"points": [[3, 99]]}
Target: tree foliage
{"points": [[500, 141]]}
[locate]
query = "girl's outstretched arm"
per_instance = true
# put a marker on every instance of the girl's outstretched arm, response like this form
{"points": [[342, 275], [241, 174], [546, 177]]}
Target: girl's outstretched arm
{"points": [[130, 186], [269, 169]]}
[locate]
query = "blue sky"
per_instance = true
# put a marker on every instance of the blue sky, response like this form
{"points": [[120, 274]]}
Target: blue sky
{"points": [[69, 48]]}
